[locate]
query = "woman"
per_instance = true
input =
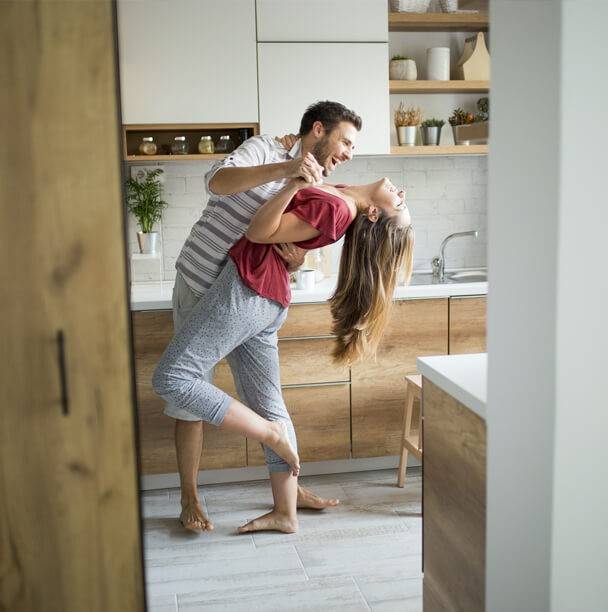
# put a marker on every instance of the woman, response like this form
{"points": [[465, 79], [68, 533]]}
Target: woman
{"points": [[239, 316]]}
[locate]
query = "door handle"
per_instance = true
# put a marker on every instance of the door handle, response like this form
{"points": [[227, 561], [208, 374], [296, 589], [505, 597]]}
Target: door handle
{"points": [[63, 379]]}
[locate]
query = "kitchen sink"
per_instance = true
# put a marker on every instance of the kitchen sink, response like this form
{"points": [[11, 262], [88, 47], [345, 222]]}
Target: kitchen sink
{"points": [[462, 276], [467, 276]]}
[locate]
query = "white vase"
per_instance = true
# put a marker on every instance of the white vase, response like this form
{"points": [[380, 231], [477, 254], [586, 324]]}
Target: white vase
{"points": [[406, 135], [438, 64]]}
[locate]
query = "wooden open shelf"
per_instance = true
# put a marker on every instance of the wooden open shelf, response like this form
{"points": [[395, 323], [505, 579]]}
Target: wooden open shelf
{"points": [[451, 150], [406, 87], [438, 22], [164, 134], [190, 156]]}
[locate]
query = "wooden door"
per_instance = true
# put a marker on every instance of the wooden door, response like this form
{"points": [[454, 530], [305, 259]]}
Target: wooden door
{"points": [[416, 328], [69, 511], [152, 331], [467, 325]]}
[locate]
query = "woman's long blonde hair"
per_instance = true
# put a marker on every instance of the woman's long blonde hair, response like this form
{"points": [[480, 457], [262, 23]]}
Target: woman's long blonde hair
{"points": [[374, 256]]}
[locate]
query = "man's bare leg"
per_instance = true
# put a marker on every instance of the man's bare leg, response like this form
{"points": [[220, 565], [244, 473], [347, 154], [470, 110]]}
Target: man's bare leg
{"points": [[307, 499], [189, 446], [283, 517]]}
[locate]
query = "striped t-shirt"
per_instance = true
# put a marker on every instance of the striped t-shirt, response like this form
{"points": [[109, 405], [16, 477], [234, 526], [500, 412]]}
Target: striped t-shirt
{"points": [[226, 217]]}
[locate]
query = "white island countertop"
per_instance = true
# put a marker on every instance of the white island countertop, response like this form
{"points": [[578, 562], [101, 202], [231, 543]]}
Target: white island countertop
{"points": [[156, 295], [464, 377]]}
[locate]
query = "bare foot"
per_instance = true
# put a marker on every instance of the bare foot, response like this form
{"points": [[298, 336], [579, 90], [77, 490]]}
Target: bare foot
{"points": [[281, 445], [193, 518], [307, 499], [273, 521]]}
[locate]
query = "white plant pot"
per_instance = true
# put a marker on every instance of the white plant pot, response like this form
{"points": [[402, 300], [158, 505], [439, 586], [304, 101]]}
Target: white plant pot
{"points": [[438, 64], [147, 242], [406, 135], [403, 70]]}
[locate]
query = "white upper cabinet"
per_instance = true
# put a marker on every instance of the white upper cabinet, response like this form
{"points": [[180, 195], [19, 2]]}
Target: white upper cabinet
{"points": [[294, 75], [322, 20], [187, 61]]}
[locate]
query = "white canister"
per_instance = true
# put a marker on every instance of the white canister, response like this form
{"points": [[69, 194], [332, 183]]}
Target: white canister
{"points": [[305, 279], [438, 64]]}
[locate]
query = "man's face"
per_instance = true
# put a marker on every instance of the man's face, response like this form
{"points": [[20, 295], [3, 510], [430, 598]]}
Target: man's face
{"points": [[335, 147]]}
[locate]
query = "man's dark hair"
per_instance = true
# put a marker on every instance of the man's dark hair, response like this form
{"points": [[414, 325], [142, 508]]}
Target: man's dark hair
{"points": [[329, 114]]}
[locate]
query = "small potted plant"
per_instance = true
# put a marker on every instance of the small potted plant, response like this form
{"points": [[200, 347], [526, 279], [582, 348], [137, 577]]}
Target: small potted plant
{"points": [[407, 121], [145, 202], [402, 69], [431, 131], [471, 128]]}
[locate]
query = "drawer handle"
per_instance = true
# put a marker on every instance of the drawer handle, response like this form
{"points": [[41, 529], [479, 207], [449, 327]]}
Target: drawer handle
{"points": [[63, 379]]}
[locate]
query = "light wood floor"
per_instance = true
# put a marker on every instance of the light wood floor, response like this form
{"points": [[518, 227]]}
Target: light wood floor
{"points": [[363, 555]]}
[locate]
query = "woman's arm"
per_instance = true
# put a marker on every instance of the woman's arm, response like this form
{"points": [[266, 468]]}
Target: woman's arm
{"points": [[271, 224]]}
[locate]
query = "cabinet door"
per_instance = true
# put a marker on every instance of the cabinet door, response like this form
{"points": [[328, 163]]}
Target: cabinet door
{"points": [[321, 417], [416, 328], [467, 325], [187, 61], [322, 20], [306, 321], [152, 331], [69, 509], [294, 75]]}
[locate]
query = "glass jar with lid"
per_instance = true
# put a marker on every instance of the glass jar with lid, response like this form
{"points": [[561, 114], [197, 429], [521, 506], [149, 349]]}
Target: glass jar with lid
{"points": [[205, 145], [179, 146], [225, 144], [147, 146]]}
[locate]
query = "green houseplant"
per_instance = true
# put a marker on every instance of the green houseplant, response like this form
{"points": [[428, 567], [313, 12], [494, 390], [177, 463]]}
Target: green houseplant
{"points": [[144, 201], [431, 131], [471, 128]]}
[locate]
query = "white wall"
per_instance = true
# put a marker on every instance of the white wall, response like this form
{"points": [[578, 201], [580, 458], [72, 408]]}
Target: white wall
{"points": [[546, 529], [580, 486], [445, 195]]}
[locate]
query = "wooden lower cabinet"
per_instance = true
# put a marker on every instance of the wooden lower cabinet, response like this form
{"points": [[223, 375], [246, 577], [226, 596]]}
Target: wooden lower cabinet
{"points": [[416, 328], [454, 504], [467, 325], [152, 331], [321, 417]]}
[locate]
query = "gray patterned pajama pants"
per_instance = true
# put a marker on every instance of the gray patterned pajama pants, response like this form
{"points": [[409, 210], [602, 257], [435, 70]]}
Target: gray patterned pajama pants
{"points": [[230, 320]]}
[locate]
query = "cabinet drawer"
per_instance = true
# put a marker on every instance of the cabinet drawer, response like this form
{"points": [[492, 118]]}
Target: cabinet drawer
{"points": [[306, 320], [321, 417], [309, 361]]}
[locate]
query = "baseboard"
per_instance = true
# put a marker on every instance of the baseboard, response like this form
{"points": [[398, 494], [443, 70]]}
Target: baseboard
{"points": [[340, 466]]}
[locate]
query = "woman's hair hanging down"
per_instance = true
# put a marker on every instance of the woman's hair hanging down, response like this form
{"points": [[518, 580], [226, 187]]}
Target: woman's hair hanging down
{"points": [[374, 256]]}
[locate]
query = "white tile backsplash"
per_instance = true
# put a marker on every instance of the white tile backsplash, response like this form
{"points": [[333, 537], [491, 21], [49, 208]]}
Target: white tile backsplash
{"points": [[445, 195]]}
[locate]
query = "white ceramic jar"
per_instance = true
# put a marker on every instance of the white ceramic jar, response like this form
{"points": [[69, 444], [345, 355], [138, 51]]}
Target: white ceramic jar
{"points": [[403, 70], [438, 64]]}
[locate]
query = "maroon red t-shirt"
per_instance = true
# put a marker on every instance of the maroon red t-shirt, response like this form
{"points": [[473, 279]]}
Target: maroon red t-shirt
{"points": [[263, 270]]}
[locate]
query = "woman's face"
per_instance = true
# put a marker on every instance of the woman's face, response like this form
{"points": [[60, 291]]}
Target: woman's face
{"points": [[390, 200]]}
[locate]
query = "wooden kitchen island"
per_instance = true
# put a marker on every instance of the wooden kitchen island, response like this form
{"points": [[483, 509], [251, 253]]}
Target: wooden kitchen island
{"points": [[454, 482]]}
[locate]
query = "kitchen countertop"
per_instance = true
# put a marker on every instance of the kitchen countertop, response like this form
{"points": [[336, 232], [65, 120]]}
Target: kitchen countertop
{"points": [[157, 295], [464, 377]]}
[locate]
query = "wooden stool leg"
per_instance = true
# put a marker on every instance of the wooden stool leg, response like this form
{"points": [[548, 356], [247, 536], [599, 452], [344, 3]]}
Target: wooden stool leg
{"points": [[407, 424]]}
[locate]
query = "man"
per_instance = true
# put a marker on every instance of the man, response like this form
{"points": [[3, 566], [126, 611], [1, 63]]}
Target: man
{"points": [[239, 185]]}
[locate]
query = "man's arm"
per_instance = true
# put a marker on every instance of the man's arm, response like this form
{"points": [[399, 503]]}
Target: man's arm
{"points": [[231, 180]]}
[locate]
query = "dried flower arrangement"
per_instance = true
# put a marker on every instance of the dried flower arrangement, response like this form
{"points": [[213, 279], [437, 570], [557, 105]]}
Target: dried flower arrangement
{"points": [[407, 116]]}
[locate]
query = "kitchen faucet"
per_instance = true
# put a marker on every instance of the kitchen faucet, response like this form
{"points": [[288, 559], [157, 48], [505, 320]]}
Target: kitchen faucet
{"points": [[438, 262]]}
